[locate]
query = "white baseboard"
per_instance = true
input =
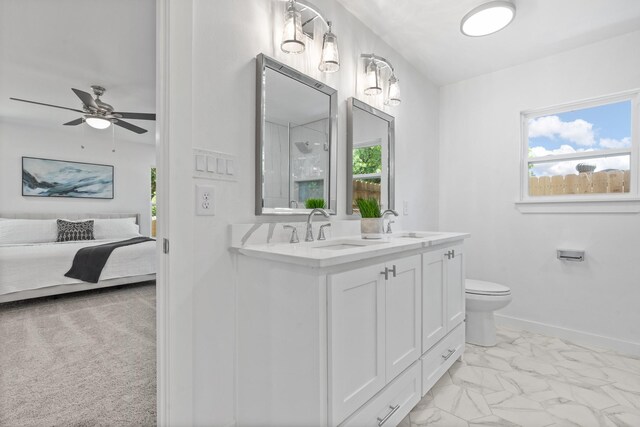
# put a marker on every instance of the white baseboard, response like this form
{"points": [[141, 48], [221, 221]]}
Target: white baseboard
{"points": [[578, 337]]}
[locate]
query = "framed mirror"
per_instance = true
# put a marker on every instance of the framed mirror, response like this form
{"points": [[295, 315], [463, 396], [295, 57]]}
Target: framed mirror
{"points": [[370, 155], [296, 137]]}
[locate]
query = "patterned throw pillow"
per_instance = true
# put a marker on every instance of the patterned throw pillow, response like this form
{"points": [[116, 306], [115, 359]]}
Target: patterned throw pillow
{"points": [[74, 230]]}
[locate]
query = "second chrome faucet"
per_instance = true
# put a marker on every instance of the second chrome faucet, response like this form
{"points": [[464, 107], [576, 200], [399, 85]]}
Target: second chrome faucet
{"points": [[309, 233]]}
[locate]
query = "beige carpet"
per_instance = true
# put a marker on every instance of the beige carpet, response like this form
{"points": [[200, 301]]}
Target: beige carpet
{"points": [[85, 359]]}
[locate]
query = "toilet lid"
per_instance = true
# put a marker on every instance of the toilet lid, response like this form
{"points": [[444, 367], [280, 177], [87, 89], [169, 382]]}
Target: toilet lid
{"points": [[480, 287]]}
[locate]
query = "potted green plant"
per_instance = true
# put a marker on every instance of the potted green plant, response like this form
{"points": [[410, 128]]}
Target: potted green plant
{"points": [[315, 203], [371, 224]]}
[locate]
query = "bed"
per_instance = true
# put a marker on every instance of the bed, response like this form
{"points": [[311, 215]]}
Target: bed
{"points": [[33, 265]]}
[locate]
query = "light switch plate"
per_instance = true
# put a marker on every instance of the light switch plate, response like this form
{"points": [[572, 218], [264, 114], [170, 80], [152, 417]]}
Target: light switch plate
{"points": [[200, 163], [214, 165], [211, 164], [205, 200], [221, 165]]}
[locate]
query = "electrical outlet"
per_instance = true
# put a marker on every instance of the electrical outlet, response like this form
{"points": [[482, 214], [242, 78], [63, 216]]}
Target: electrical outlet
{"points": [[405, 207], [205, 200]]}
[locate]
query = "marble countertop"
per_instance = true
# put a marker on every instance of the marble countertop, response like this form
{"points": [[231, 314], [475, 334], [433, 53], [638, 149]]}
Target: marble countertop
{"points": [[342, 250]]}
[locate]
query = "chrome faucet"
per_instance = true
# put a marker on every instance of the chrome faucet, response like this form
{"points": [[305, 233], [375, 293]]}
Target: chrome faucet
{"points": [[309, 233], [384, 215]]}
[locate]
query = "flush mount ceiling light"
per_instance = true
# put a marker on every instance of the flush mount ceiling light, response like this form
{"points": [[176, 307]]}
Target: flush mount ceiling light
{"points": [[488, 18], [299, 19], [375, 66], [97, 122]]}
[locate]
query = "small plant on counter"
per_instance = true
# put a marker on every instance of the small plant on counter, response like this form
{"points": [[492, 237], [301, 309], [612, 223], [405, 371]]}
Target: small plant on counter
{"points": [[315, 203], [369, 208]]}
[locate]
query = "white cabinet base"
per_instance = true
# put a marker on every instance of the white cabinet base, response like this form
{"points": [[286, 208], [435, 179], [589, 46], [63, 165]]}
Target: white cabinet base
{"points": [[392, 403], [441, 357]]}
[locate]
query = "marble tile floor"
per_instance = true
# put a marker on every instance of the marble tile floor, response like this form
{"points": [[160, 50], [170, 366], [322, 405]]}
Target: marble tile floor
{"points": [[533, 380]]}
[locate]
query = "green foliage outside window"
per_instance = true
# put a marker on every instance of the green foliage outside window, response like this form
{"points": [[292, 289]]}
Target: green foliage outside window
{"points": [[367, 160], [153, 191]]}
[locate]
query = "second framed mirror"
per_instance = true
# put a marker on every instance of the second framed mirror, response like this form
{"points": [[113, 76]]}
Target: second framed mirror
{"points": [[370, 155]]}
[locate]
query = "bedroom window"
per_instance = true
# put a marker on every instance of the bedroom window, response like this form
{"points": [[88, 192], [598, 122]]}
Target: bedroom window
{"points": [[582, 152], [153, 202]]}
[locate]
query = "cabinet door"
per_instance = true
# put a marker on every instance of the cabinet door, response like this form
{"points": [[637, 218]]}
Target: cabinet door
{"points": [[434, 321], [455, 287], [356, 338], [403, 314]]}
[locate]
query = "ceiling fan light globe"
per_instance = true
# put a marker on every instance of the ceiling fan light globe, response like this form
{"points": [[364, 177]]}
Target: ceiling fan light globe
{"points": [[97, 122]]}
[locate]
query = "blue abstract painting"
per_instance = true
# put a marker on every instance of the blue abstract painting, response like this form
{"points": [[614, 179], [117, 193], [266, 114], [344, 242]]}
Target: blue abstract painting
{"points": [[58, 178]]}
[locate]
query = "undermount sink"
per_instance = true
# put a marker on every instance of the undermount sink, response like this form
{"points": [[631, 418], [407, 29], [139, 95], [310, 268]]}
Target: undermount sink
{"points": [[416, 235], [337, 245]]}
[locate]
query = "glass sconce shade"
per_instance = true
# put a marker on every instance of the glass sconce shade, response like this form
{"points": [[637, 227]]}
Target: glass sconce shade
{"points": [[393, 95], [292, 35], [330, 61], [372, 79]]}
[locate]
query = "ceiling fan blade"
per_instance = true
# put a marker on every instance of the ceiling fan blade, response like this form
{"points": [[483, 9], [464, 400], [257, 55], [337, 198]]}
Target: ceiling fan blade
{"points": [[75, 122], [47, 105], [129, 126], [136, 116], [86, 98]]}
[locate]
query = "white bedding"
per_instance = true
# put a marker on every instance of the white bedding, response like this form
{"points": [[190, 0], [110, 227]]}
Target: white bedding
{"points": [[40, 265]]}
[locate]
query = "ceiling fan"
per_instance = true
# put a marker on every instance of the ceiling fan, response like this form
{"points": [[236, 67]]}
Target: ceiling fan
{"points": [[97, 113]]}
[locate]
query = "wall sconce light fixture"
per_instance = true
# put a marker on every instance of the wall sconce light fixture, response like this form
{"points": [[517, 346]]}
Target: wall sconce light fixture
{"points": [[374, 68], [298, 24]]}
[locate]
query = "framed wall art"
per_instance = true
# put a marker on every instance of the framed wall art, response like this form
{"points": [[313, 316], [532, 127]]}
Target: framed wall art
{"points": [[60, 178]]}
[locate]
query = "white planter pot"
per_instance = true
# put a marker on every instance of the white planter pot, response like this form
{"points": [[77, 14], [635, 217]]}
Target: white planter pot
{"points": [[372, 228]]}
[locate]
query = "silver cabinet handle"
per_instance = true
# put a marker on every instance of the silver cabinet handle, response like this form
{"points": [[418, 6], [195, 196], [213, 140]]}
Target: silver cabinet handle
{"points": [[448, 355], [386, 273], [453, 253], [386, 417], [393, 270]]}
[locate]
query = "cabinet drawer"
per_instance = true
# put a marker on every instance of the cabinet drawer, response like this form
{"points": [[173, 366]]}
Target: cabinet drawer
{"points": [[392, 404], [439, 359]]}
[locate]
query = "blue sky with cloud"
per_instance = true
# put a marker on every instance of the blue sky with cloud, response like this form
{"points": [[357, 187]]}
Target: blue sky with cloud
{"points": [[597, 128]]}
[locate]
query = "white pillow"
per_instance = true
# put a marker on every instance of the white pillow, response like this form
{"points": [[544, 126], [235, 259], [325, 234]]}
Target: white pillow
{"points": [[115, 228], [16, 231]]}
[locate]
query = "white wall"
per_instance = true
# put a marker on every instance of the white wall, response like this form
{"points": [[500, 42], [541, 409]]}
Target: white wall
{"points": [[132, 164], [479, 164], [212, 106]]}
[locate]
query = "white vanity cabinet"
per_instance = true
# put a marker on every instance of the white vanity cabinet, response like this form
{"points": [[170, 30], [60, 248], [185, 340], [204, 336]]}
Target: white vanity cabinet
{"points": [[374, 330], [345, 343], [443, 311]]}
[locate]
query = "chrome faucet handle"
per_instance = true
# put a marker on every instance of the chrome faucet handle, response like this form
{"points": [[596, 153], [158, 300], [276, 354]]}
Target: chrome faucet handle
{"points": [[389, 231], [321, 235], [294, 233]]}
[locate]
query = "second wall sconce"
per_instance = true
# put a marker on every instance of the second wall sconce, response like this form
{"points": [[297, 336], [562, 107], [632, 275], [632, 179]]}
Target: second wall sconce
{"points": [[298, 26], [375, 66]]}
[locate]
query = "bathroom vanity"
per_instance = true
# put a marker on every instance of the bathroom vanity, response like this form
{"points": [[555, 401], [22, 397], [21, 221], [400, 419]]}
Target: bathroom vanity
{"points": [[346, 332]]}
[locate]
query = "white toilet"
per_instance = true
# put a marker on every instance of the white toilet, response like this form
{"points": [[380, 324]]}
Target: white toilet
{"points": [[482, 299]]}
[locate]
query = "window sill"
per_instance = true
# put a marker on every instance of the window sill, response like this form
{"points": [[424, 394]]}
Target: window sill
{"points": [[614, 206]]}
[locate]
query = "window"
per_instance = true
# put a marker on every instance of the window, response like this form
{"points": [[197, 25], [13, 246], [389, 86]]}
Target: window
{"points": [[586, 151]]}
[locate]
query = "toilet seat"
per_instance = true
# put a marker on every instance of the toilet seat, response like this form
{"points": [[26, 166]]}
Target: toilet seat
{"points": [[480, 287]]}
